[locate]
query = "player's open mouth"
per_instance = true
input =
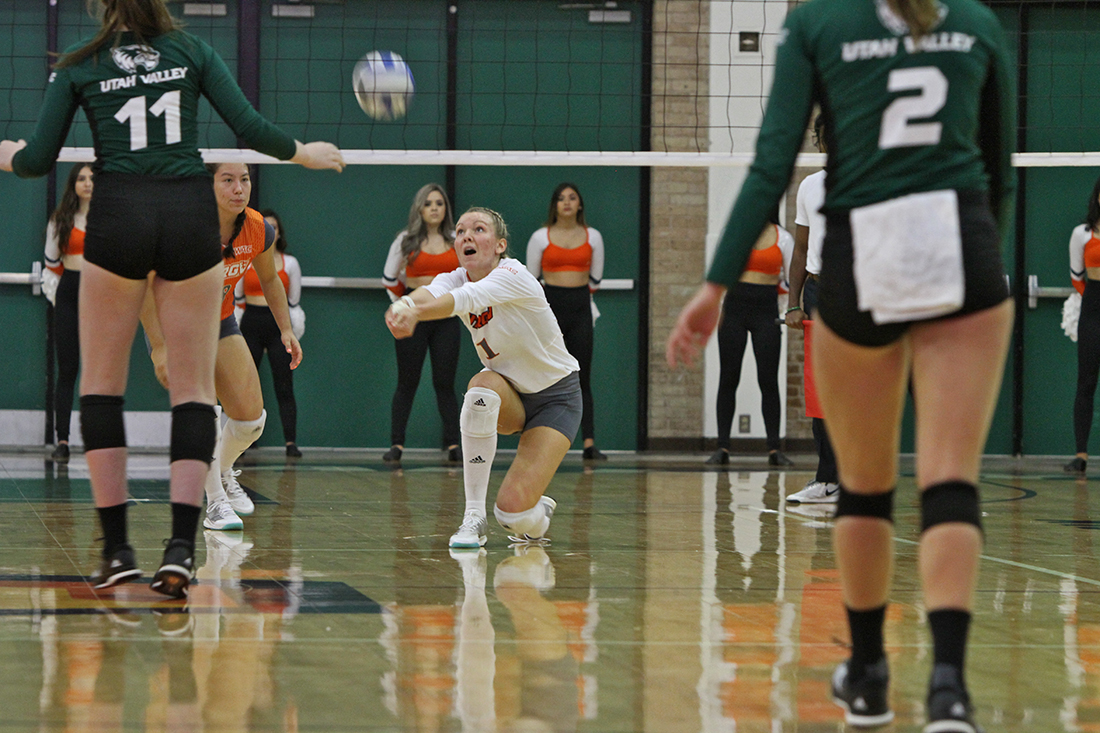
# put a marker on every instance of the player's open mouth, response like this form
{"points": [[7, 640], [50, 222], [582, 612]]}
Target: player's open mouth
{"points": [[469, 251]]}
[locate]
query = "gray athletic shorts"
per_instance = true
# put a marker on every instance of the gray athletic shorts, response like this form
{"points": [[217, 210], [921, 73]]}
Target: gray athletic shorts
{"points": [[558, 406], [229, 327]]}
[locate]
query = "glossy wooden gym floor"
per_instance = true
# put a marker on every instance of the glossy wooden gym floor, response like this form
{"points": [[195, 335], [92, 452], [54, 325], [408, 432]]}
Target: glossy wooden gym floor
{"points": [[673, 597]]}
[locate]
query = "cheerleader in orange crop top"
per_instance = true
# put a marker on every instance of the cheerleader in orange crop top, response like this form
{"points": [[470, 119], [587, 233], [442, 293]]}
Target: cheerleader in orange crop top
{"points": [[262, 334], [568, 256], [752, 307], [424, 249], [1084, 272], [61, 285]]}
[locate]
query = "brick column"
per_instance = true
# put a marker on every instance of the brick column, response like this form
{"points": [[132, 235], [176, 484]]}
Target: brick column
{"points": [[678, 212]]}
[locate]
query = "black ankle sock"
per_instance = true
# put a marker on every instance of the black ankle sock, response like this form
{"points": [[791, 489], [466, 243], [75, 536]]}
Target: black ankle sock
{"points": [[113, 521], [950, 628], [867, 646], [185, 521]]}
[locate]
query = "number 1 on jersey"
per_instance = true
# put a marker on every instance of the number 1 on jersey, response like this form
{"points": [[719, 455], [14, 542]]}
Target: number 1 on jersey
{"points": [[489, 353], [168, 106]]}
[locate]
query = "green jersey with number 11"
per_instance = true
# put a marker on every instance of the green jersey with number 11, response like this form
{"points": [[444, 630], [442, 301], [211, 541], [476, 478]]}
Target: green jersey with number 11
{"points": [[141, 100], [902, 115]]}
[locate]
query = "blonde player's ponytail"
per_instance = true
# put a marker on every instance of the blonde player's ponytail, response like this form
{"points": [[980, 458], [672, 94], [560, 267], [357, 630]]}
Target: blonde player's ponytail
{"points": [[920, 15]]}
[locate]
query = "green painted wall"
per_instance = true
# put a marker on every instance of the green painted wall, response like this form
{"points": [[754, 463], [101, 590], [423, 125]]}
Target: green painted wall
{"points": [[342, 225], [1063, 105]]}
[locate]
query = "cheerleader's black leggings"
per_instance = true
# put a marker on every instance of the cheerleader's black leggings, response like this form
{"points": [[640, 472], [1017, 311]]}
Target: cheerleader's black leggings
{"points": [[749, 309], [573, 309], [442, 339], [261, 333], [66, 325], [1088, 364]]}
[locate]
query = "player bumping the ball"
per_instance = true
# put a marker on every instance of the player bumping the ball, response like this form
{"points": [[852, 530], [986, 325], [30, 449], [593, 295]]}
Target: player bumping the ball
{"points": [[530, 384]]}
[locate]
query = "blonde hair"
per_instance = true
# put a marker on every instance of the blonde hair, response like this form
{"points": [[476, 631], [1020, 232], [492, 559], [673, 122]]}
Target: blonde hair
{"points": [[920, 15], [500, 229]]}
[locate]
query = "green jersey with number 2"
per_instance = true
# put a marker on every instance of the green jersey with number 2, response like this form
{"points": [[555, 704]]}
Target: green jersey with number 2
{"points": [[902, 115]]}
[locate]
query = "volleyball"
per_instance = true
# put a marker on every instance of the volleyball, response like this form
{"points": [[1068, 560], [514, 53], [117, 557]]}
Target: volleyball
{"points": [[383, 85]]}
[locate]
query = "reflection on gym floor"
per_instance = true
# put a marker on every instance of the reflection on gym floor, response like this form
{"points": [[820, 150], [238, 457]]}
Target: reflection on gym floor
{"points": [[672, 598]]}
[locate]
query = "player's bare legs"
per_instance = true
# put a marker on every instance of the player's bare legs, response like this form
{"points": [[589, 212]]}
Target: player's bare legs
{"points": [[238, 388], [862, 391], [540, 452], [957, 370], [188, 311], [110, 305]]}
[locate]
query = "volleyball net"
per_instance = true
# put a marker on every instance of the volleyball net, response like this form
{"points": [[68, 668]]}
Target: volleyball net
{"points": [[536, 82]]}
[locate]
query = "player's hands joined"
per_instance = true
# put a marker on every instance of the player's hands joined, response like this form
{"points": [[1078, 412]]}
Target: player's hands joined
{"points": [[318, 156], [696, 323], [8, 149], [401, 317]]}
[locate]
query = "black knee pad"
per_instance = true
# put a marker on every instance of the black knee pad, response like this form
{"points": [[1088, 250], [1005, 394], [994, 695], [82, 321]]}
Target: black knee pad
{"points": [[950, 501], [193, 432], [879, 506], [101, 424]]}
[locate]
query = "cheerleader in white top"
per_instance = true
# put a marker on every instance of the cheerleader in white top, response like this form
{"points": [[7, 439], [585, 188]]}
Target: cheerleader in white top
{"points": [[1084, 272], [530, 384], [567, 255]]}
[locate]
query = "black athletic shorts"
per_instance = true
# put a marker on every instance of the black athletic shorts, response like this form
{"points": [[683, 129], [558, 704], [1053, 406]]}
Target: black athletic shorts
{"points": [[984, 277], [138, 224]]}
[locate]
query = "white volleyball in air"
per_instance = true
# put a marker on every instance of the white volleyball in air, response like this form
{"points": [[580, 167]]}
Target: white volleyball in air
{"points": [[383, 85]]}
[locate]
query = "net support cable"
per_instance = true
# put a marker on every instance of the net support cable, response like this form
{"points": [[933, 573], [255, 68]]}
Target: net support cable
{"points": [[569, 158]]}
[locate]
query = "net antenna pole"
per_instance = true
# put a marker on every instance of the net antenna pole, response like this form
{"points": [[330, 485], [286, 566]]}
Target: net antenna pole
{"points": [[1020, 273], [451, 141], [645, 190], [51, 202], [248, 71]]}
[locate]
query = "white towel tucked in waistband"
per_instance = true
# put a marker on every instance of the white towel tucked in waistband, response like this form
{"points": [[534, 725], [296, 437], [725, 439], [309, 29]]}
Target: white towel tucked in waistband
{"points": [[907, 257]]}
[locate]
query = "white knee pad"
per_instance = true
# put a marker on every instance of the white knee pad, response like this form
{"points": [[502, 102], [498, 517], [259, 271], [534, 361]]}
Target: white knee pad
{"points": [[480, 409], [532, 523], [246, 432]]}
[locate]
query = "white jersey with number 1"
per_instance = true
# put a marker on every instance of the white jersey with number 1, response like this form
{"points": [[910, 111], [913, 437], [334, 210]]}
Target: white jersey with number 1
{"points": [[515, 333]]}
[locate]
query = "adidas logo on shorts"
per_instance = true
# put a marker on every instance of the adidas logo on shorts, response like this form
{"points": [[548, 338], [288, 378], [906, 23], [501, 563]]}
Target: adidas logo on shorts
{"points": [[480, 402], [477, 459]]}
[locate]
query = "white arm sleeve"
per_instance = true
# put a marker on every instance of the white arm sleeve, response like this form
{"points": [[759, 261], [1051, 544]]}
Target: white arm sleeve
{"points": [[1077, 241], [53, 247], [445, 282], [294, 275], [394, 271], [786, 246], [508, 282], [595, 272], [536, 245]]}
